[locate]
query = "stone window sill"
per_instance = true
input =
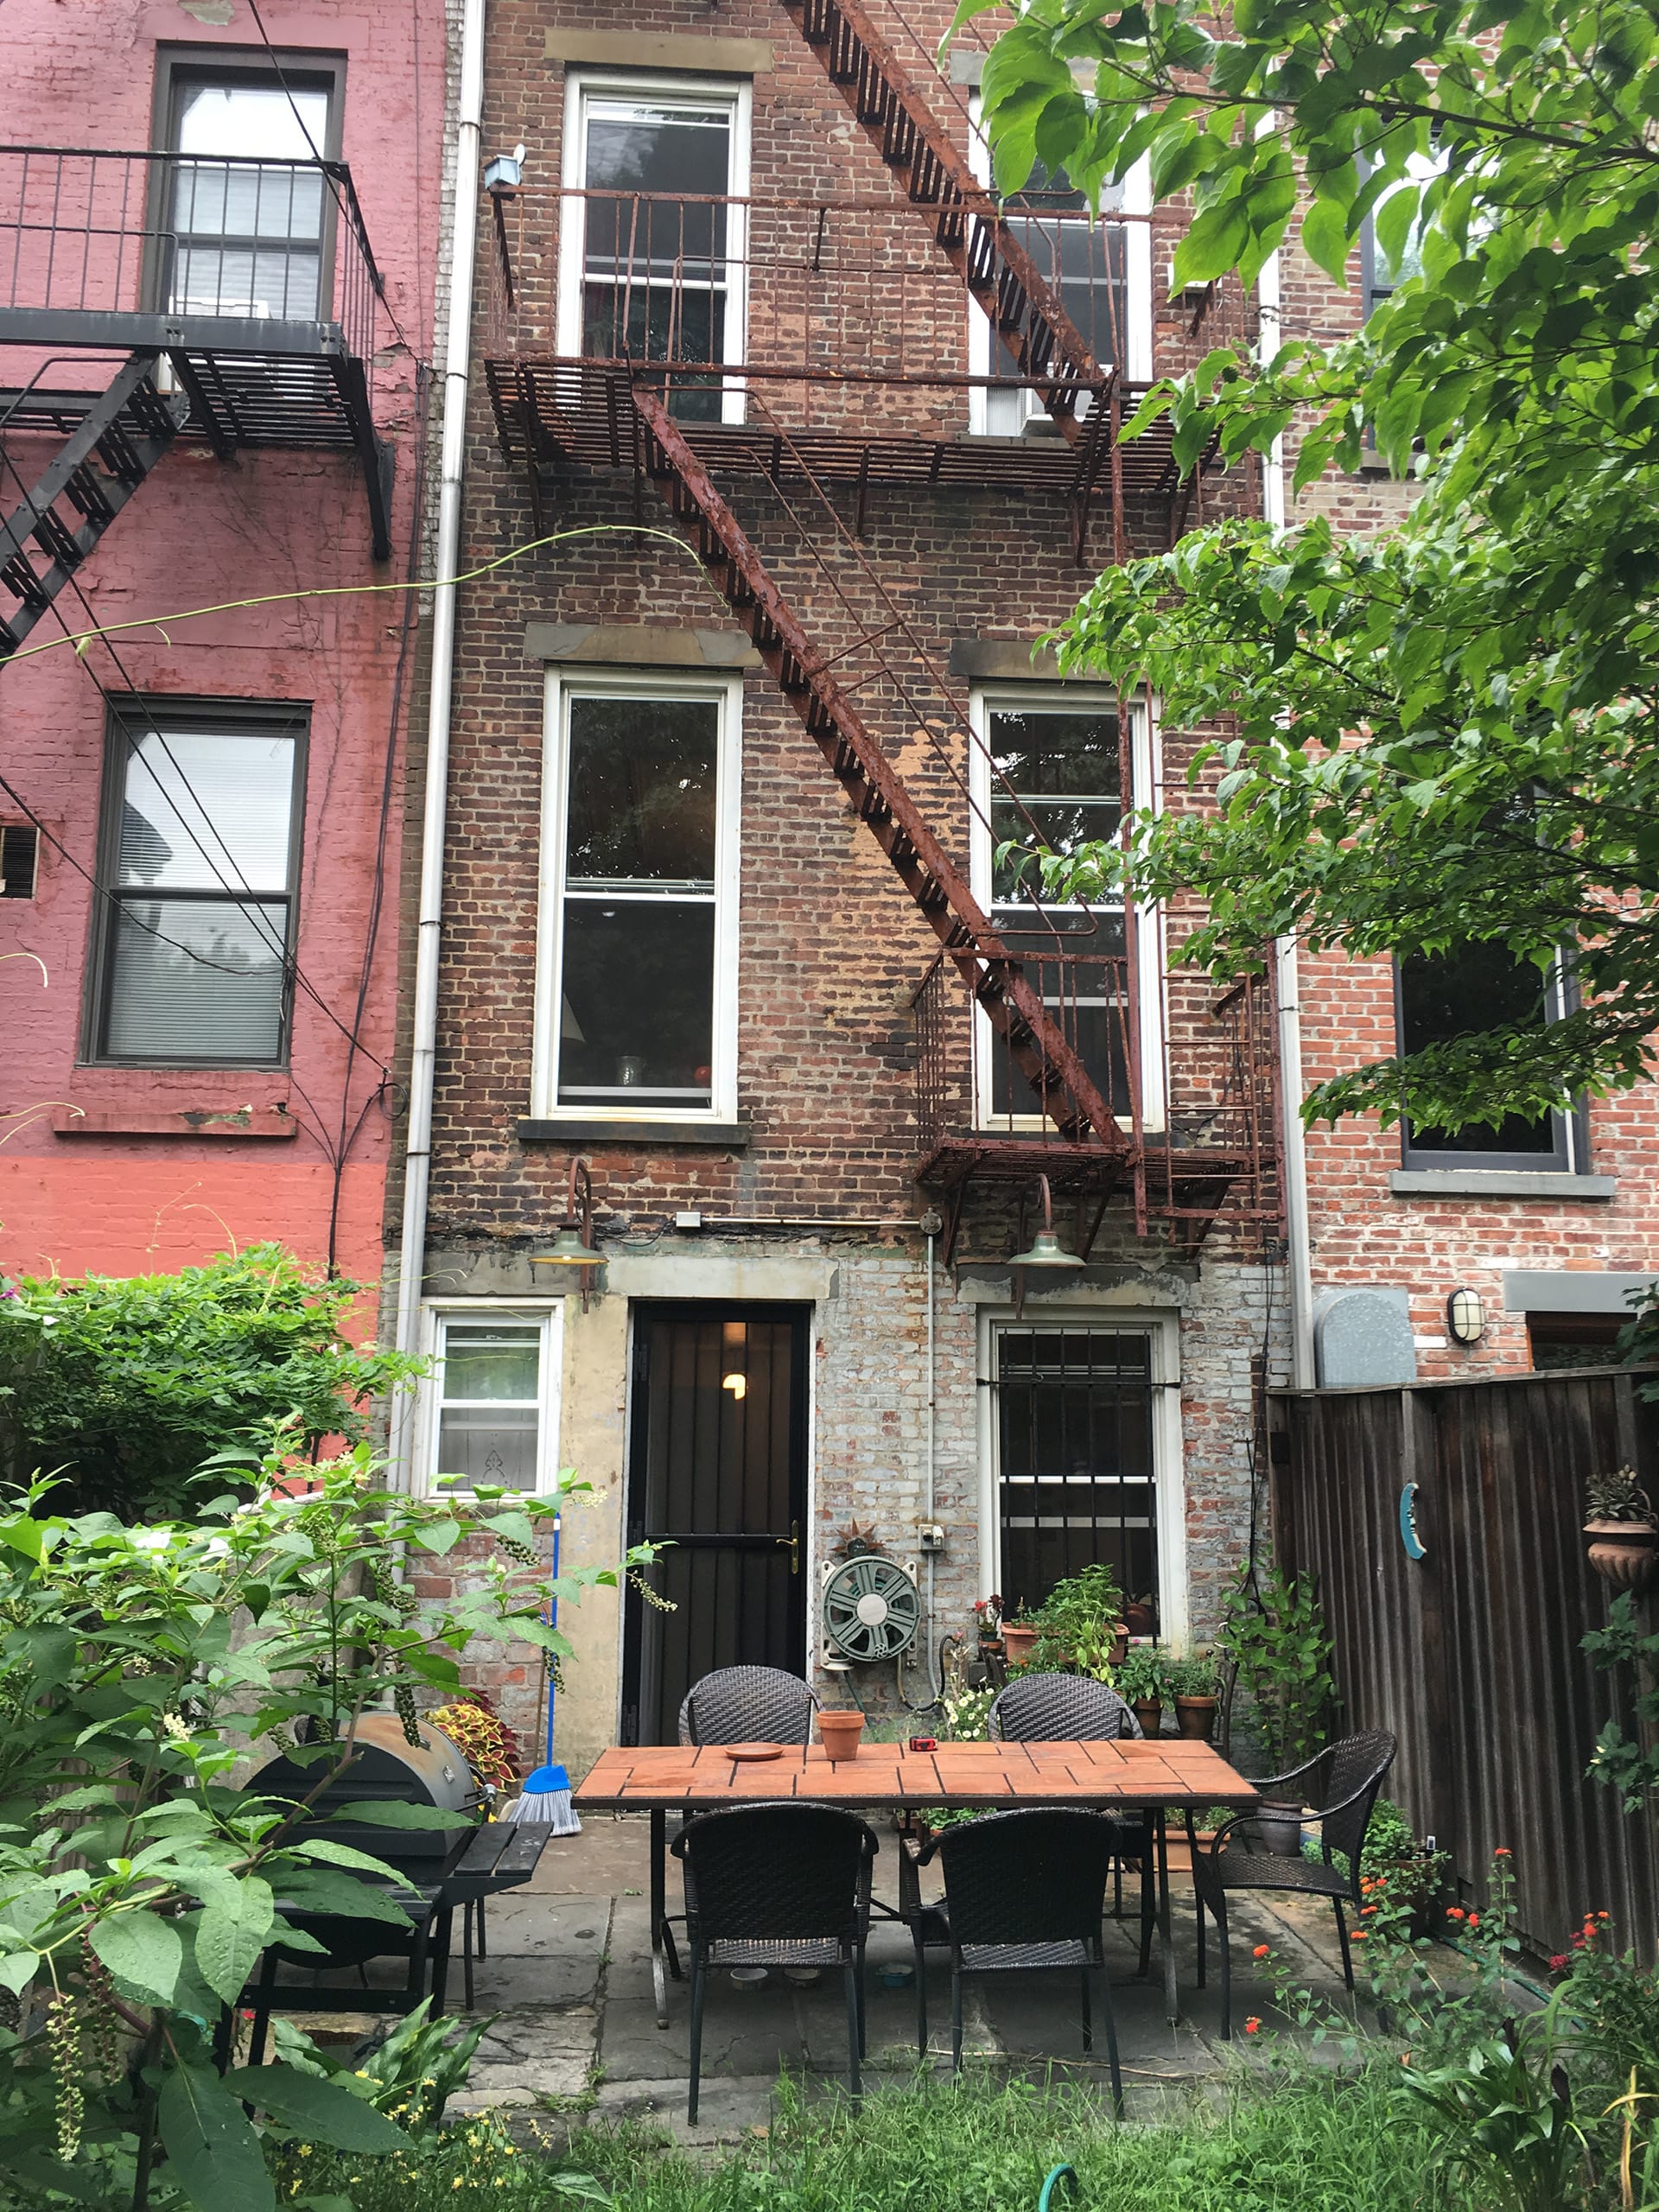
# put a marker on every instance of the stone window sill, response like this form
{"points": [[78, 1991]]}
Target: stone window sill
{"points": [[1499, 1183], [728, 1136], [188, 1122]]}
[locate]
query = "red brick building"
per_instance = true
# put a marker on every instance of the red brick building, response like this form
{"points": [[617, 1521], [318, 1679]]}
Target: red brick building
{"points": [[740, 718], [218, 236]]}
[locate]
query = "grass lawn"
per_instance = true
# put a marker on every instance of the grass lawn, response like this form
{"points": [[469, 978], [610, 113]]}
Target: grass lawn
{"points": [[1288, 2139]]}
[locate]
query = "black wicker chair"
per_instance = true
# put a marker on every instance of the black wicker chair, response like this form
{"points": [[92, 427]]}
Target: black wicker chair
{"points": [[1022, 1892], [777, 1885], [748, 1705], [1075, 1709], [1352, 1773]]}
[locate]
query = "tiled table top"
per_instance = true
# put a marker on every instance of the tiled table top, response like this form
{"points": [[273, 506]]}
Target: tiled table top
{"points": [[1167, 1772]]}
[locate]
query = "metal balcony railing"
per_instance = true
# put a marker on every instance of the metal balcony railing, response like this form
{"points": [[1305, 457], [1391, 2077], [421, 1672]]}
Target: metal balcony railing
{"points": [[275, 254], [1197, 1108], [823, 290]]}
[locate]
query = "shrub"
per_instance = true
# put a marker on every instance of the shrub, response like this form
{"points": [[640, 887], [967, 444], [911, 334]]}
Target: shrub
{"points": [[1274, 1631], [129, 1386]]}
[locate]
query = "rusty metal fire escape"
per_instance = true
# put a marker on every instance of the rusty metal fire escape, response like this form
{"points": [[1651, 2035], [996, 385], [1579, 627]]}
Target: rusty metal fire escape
{"points": [[556, 411]]}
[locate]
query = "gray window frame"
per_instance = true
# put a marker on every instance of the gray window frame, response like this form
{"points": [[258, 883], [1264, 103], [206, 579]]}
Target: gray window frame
{"points": [[1570, 1155], [179, 66], [292, 718]]}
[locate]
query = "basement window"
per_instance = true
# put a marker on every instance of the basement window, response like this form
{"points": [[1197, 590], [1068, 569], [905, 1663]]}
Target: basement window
{"points": [[490, 1404], [636, 1001], [19, 848]]}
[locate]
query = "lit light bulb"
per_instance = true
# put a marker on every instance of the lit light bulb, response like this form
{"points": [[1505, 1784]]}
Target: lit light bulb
{"points": [[737, 1384]]}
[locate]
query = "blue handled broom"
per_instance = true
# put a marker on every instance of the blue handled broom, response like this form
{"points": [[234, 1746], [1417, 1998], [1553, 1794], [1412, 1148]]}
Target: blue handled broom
{"points": [[546, 1794]]}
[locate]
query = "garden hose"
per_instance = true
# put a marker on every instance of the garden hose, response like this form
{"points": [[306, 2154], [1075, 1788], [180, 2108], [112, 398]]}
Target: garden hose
{"points": [[1059, 2174]]}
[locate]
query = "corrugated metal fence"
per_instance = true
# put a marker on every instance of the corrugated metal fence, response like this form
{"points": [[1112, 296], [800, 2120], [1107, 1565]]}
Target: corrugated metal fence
{"points": [[1471, 1654]]}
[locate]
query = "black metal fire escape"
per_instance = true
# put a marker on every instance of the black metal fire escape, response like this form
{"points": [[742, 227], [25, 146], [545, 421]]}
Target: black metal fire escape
{"points": [[90, 268]]}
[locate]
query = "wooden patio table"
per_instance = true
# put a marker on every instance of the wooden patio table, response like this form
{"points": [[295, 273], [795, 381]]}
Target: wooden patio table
{"points": [[1127, 1777]]}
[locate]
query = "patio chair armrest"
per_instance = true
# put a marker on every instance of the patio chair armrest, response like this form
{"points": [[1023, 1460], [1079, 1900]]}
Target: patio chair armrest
{"points": [[1220, 1834]]}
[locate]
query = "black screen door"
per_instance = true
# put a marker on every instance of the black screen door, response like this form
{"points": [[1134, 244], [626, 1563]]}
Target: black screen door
{"points": [[717, 1470]]}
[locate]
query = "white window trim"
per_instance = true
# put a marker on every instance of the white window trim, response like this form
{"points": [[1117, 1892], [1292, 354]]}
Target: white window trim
{"points": [[1144, 785], [737, 94], [549, 1314], [562, 685], [1168, 1458], [1135, 199]]}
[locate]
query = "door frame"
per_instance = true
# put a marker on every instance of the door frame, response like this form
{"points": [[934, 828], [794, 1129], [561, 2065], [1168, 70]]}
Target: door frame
{"points": [[803, 1315]]}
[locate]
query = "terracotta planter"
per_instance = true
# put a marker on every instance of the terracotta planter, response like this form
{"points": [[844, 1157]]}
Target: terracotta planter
{"points": [[839, 1733], [1019, 1644], [1195, 1718], [1137, 1618], [1281, 1828], [1119, 1643], [1624, 1552], [1149, 1712]]}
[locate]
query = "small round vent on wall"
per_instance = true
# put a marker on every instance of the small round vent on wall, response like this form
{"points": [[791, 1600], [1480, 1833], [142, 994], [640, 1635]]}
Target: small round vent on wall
{"points": [[871, 1609]]}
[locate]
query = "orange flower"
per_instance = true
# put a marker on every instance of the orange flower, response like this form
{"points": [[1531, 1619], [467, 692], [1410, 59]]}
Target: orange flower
{"points": [[1454, 1912], [1474, 1920], [1252, 2026], [1368, 1908], [1261, 1951], [1358, 1935]]}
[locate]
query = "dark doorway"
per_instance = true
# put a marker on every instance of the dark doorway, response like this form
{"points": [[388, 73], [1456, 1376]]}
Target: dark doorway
{"points": [[717, 1470]]}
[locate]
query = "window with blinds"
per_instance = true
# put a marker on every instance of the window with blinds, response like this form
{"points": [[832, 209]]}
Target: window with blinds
{"points": [[19, 847], [199, 866]]}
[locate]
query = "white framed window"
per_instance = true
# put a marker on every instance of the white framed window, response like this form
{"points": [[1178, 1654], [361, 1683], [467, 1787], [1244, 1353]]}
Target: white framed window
{"points": [[1081, 1455], [636, 1006], [1102, 270], [490, 1406], [653, 252], [1054, 756]]}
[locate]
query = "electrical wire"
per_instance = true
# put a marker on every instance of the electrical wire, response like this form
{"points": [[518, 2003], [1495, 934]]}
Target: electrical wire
{"points": [[326, 169]]}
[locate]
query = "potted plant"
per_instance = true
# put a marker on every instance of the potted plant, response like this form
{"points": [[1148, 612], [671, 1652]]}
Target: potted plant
{"points": [[1274, 1631], [1143, 1682], [1193, 1683], [988, 1617], [1080, 1624], [1623, 1532], [1020, 1639]]}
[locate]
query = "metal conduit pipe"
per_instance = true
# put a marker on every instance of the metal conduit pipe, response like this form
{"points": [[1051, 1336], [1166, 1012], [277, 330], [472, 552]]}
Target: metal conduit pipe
{"points": [[1286, 974], [417, 1144]]}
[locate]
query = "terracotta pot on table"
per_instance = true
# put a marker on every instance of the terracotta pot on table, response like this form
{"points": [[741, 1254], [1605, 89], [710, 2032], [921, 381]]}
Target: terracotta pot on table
{"points": [[839, 1733]]}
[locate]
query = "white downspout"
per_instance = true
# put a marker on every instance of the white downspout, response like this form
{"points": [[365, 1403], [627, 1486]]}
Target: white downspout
{"points": [[1287, 972], [417, 1147]]}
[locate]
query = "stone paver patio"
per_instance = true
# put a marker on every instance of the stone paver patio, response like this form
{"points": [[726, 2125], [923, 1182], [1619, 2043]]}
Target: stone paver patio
{"points": [[568, 1974]]}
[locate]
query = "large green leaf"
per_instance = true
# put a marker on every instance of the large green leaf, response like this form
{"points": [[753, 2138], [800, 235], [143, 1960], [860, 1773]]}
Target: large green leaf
{"points": [[321, 2111], [143, 1951], [230, 1936], [214, 2153], [342, 1855], [319, 1889], [393, 1813]]}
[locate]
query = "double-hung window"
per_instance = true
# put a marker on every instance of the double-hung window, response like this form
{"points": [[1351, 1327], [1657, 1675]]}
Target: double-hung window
{"points": [[1099, 267], [653, 255], [1459, 994], [1051, 766], [199, 870], [492, 1399], [245, 221], [637, 960]]}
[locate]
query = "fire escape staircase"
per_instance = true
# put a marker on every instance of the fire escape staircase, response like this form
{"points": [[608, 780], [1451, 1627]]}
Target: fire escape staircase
{"points": [[1070, 1097], [1005, 283], [111, 441]]}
